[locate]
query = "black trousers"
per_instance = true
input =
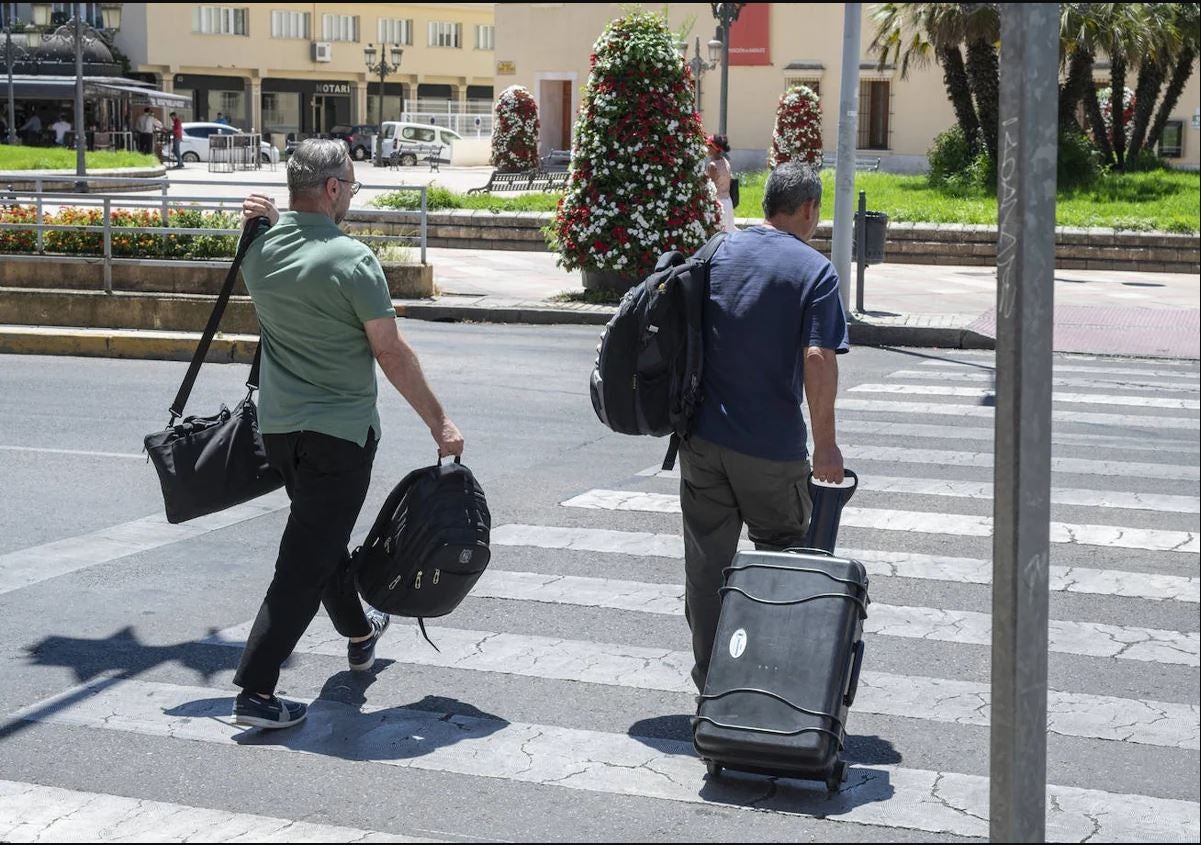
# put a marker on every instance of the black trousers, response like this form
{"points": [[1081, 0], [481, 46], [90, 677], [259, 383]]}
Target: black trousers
{"points": [[326, 479]]}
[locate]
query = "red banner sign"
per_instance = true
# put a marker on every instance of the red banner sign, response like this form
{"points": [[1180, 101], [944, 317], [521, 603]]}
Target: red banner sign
{"points": [[750, 36]]}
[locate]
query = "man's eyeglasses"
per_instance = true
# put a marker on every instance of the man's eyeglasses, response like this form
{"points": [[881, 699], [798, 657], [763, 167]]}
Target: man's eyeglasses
{"points": [[354, 186]]}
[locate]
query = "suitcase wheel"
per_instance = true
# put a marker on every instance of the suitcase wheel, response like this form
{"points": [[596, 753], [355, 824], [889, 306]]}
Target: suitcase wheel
{"points": [[712, 769], [837, 777]]}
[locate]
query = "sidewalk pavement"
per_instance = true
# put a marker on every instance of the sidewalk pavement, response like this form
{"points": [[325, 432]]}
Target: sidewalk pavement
{"points": [[1096, 311]]}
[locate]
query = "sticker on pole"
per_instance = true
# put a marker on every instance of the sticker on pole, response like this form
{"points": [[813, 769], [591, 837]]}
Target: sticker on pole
{"points": [[738, 643]]}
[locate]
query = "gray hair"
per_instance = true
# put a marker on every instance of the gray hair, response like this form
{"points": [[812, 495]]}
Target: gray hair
{"points": [[790, 186], [314, 161]]}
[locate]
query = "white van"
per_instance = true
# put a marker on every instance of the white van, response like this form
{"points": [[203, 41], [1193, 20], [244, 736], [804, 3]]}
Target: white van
{"points": [[401, 135]]}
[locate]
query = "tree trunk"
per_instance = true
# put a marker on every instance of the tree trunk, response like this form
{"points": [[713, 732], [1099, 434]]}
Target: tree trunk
{"points": [[1150, 78], [984, 75], [1117, 109], [1092, 108], [954, 77], [1080, 75], [1180, 75]]}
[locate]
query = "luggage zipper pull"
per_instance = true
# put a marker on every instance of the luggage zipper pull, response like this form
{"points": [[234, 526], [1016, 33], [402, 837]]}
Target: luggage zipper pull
{"points": [[437, 572], [417, 583]]}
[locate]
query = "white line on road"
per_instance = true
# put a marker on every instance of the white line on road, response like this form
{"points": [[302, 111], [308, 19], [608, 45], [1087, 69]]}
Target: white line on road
{"points": [[1115, 421], [924, 522], [1077, 398], [1067, 579], [1127, 384], [75, 452], [33, 813], [39, 563], [1076, 368], [619, 764]]}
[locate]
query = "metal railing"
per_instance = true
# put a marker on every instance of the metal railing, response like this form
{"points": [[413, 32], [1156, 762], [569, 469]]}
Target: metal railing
{"points": [[165, 204]]}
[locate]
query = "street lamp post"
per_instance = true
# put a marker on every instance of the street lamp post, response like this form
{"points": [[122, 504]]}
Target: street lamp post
{"points": [[698, 65], [726, 14], [111, 22], [383, 68]]}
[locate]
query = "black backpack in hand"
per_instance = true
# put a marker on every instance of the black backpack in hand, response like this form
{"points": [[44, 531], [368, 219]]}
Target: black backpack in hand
{"points": [[428, 546], [649, 362]]}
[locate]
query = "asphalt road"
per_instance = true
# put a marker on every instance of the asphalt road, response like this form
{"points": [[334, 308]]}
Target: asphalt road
{"points": [[558, 706]]}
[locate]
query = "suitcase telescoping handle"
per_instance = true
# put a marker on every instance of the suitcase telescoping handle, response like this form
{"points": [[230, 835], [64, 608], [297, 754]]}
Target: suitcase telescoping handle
{"points": [[828, 502], [856, 668]]}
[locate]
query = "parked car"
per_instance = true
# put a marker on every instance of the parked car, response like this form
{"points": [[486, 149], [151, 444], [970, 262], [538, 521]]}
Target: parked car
{"points": [[400, 135], [358, 139], [195, 143]]}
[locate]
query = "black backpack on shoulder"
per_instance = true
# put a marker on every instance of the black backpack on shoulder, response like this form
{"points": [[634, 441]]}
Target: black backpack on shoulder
{"points": [[647, 378], [428, 546]]}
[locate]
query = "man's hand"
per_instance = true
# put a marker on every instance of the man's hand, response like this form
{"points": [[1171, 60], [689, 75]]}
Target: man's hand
{"points": [[448, 438], [827, 464], [259, 205]]}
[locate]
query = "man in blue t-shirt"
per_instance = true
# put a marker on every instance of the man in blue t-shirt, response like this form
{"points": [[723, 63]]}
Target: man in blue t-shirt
{"points": [[774, 323]]}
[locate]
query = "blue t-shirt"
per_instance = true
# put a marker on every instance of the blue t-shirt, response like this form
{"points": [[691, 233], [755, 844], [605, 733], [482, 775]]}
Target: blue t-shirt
{"points": [[771, 296]]}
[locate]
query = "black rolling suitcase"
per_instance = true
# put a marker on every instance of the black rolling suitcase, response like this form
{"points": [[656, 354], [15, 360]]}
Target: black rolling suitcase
{"points": [[786, 659]]}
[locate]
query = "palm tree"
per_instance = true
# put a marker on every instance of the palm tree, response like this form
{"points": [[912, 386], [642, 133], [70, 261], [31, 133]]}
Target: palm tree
{"points": [[1188, 25], [1164, 20]]}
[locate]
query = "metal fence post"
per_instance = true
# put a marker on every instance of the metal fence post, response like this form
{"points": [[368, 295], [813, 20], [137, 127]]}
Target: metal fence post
{"points": [[108, 245], [1022, 494], [424, 222], [166, 215], [41, 222]]}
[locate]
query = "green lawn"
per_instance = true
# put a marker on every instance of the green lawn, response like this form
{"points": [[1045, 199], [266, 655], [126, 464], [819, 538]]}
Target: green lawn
{"points": [[59, 158], [1165, 200]]}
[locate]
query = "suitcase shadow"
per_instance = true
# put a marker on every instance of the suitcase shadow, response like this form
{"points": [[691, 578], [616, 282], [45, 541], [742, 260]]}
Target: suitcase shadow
{"points": [[864, 785]]}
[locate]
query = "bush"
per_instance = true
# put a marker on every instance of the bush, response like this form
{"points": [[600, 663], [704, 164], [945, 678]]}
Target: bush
{"points": [[124, 244], [798, 132], [638, 185], [951, 155], [437, 198], [1078, 163], [515, 135]]}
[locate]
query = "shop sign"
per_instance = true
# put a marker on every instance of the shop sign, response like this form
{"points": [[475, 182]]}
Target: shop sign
{"points": [[333, 88], [506, 68]]}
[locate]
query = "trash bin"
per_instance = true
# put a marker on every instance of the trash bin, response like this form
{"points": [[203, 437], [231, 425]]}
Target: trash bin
{"points": [[875, 236]]}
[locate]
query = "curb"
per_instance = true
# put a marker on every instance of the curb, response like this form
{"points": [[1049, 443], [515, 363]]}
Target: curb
{"points": [[123, 343]]}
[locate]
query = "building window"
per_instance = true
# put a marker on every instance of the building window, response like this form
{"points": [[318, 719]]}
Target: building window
{"points": [[812, 84], [339, 27], [219, 20], [395, 31], [874, 104], [62, 12], [231, 104], [485, 37], [285, 24], [8, 13], [281, 112], [444, 34], [1171, 142]]}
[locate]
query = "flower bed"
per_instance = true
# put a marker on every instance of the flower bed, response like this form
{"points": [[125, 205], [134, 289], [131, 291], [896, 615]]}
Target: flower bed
{"points": [[515, 136]]}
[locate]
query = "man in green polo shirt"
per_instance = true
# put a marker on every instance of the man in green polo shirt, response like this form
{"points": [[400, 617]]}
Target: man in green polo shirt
{"points": [[326, 318]]}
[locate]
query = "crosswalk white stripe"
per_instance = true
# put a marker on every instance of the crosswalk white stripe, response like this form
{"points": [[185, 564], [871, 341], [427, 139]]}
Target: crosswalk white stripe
{"points": [[613, 664], [1086, 639], [1067, 579], [1076, 398], [1117, 421], [1079, 368], [1125, 384], [926, 522], [33, 813], [892, 429], [74, 452], [39, 563], [620, 764]]}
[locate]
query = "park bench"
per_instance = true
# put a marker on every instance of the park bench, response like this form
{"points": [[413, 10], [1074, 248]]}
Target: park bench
{"points": [[499, 182], [868, 163], [410, 154], [556, 160]]}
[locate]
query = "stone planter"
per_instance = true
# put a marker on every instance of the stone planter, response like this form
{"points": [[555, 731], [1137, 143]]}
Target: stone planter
{"points": [[610, 281]]}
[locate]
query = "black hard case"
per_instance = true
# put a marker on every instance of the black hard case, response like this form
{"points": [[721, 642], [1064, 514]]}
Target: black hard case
{"points": [[795, 621]]}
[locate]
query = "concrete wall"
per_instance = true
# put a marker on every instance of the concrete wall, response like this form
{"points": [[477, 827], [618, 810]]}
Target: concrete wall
{"points": [[554, 40]]}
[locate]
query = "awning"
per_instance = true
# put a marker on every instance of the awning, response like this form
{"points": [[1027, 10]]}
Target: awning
{"points": [[63, 88], [148, 95]]}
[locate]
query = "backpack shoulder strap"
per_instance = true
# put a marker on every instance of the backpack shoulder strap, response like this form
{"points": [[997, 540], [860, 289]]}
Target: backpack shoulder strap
{"points": [[705, 254]]}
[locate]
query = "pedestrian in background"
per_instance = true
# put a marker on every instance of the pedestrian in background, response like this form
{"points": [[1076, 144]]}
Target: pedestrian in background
{"points": [[326, 318], [60, 128], [145, 127], [773, 324], [176, 139], [718, 169]]}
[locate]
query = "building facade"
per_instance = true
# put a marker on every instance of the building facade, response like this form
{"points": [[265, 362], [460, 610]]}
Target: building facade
{"points": [[546, 47], [282, 68]]}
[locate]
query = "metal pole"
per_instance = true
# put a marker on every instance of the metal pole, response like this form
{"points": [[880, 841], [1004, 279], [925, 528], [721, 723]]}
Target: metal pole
{"points": [[108, 245], [12, 112], [379, 129], [848, 127], [81, 167], [1022, 494], [725, 74], [860, 250]]}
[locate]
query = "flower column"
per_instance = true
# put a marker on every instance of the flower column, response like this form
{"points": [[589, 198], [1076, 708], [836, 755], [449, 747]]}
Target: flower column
{"points": [[515, 132]]}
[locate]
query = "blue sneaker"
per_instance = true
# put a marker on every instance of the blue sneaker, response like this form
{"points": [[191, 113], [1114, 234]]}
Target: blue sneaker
{"points": [[251, 711], [362, 655]]}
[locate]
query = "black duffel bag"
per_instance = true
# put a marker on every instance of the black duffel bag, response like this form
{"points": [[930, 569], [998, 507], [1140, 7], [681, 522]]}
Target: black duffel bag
{"points": [[428, 546], [207, 464]]}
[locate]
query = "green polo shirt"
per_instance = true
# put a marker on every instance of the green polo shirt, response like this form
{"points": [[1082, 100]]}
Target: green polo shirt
{"points": [[313, 287]]}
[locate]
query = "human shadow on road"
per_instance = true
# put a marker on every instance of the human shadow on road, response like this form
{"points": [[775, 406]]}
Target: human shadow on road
{"points": [[672, 735]]}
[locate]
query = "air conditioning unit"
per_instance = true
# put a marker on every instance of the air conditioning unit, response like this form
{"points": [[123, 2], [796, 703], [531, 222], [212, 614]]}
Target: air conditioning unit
{"points": [[323, 51]]}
